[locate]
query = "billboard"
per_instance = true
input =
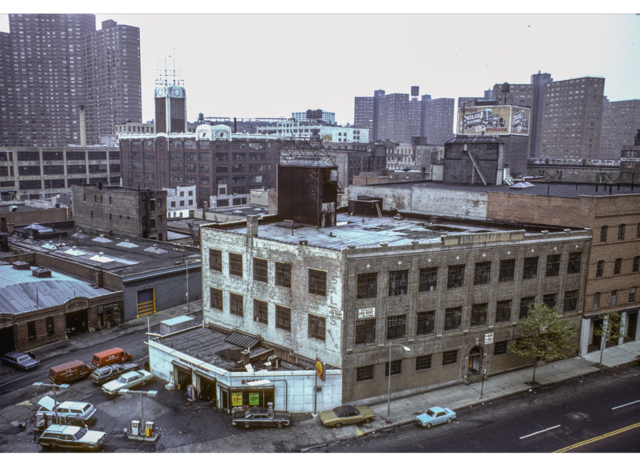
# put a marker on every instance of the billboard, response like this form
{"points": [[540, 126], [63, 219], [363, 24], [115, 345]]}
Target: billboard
{"points": [[494, 120]]}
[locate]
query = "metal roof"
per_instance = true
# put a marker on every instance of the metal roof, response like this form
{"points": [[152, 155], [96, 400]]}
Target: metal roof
{"points": [[242, 340]]}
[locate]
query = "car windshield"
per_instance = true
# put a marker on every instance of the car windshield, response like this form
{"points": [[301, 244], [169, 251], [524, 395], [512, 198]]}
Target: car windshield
{"points": [[23, 358], [431, 413], [122, 379], [81, 433]]}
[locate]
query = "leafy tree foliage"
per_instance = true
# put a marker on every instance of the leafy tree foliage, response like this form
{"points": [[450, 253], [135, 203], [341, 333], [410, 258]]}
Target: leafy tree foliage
{"points": [[610, 330], [544, 335]]}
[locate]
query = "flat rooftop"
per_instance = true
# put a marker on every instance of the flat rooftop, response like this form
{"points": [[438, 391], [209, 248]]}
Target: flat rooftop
{"points": [[366, 232], [114, 254], [539, 189], [209, 345], [21, 291]]}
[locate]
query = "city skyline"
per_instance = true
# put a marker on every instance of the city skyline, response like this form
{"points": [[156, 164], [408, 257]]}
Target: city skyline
{"points": [[324, 61]]}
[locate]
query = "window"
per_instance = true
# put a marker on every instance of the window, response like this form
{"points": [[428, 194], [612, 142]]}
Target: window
{"points": [[482, 274], [621, 229], [216, 298], [31, 330], [398, 282], [365, 331], [603, 234], [614, 298], [260, 270], [449, 357], [396, 327], [235, 264], [453, 318], [632, 294], [638, 232], [283, 274], [236, 304], [530, 268], [283, 318], [51, 330], [636, 264], [318, 282], [573, 265], [317, 327], [364, 373], [215, 260], [553, 265], [617, 267], [455, 277], [428, 279], [550, 300], [596, 301], [260, 311], [425, 324], [479, 315], [570, 301], [507, 270], [503, 311], [500, 347], [525, 303], [600, 269], [423, 362], [396, 368], [367, 285]]}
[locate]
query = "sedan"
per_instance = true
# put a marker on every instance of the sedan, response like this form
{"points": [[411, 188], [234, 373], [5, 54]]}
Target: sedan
{"points": [[69, 412], [343, 415], [19, 361], [434, 416], [71, 437], [108, 373], [129, 380]]}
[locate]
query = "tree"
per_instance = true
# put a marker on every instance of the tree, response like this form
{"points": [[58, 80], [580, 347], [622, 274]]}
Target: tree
{"points": [[544, 335], [611, 330]]}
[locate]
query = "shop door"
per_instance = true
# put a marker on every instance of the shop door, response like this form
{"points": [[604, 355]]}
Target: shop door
{"points": [[207, 389], [475, 360], [7, 342], [183, 378], [632, 325], [146, 302], [76, 322]]}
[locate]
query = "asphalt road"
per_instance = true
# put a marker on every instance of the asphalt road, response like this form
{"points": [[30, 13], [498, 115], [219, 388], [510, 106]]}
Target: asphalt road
{"points": [[576, 412]]}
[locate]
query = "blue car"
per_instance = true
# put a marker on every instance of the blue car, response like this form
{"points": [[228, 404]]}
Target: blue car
{"points": [[434, 416]]}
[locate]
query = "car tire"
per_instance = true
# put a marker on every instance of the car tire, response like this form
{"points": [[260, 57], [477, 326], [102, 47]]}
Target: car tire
{"points": [[367, 420], [279, 425], [429, 426], [449, 421], [247, 425], [337, 425]]}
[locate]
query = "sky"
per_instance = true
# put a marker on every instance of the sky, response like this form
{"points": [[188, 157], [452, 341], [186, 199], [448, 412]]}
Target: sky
{"points": [[259, 65]]}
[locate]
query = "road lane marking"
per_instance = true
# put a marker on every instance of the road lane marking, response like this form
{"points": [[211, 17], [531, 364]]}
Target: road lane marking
{"points": [[540, 431], [622, 406], [600, 437]]}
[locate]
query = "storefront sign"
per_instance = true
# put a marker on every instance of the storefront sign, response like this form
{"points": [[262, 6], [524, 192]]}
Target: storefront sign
{"points": [[366, 313], [335, 313], [236, 399], [320, 369], [488, 338]]}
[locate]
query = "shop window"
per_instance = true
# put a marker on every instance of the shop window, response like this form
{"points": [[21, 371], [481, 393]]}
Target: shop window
{"points": [[236, 304], [600, 269], [455, 277], [396, 368], [216, 298], [482, 273], [318, 282], [507, 270], [398, 282], [479, 315], [396, 327], [423, 362], [425, 323], [364, 373], [215, 260], [260, 270], [260, 311], [530, 268], [428, 279], [367, 284], [525, 304], [453, 318], [553, 265], [283, 318], [283, 274], [365, 331], [235, 264], [317, 327], [449, 357], [503, 311]]}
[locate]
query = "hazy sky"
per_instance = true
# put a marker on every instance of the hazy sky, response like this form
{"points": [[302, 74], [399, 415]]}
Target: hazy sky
{"points": [[269, 65]]}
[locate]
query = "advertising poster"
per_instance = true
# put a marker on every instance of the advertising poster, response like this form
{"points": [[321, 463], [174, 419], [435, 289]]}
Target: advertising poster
{"points": [[254, 399], [236, 399], [490, 120], [520, 118]]}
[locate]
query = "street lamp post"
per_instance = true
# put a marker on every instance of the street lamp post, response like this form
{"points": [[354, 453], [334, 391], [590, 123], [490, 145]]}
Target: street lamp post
{"points": [[55, 398], [389, 375]]}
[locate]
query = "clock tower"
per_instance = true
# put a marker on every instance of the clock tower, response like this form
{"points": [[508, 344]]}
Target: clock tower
{"points": [[171, 102]]}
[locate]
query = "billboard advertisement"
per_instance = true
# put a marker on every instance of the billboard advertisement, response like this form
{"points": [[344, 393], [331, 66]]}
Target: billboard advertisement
{"points": [[494, 120]]}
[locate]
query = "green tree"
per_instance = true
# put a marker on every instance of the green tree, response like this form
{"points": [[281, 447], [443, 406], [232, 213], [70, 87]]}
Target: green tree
{"points": [[610, 330], [544, 335]]}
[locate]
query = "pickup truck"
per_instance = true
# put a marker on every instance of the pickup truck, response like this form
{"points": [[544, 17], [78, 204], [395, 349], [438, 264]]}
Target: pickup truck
{"points": [[261, 417], [107, 373]]}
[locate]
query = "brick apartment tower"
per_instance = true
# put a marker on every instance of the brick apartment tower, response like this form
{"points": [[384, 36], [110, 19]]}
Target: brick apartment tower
{"points": [[620, 122]]}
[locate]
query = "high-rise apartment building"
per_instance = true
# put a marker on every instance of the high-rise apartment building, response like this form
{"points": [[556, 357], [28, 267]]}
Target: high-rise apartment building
{"points": [[414, 117], [112, 79], [393, 117], [437, 120], [364, 114], [620, 123], [43, 79], [572, 118]]}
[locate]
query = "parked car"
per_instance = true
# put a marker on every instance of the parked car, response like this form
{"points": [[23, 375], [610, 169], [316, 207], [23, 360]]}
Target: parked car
{"points": [[343, 415], [69, 372], [71, 437], [434, 416], [129, 380], [110, 356], [20, 361], [69, 412], [261, 417], [107, 373]]}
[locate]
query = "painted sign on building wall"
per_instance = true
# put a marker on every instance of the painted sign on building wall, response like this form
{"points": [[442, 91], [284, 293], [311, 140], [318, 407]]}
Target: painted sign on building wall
{"points": [[494, 120]]}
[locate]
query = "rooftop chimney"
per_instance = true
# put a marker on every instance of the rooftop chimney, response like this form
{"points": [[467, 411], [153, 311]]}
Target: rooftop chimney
{"points": [[252, 225]]}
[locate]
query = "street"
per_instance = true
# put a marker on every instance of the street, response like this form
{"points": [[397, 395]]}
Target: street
{"points": [[574, 411]]}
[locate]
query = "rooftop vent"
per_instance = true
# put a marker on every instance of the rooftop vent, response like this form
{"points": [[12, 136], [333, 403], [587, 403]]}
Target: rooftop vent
{"points": [[21, 265], [42, 272]]}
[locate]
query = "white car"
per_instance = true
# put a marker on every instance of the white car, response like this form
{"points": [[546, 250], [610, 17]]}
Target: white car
{"points": [[71, 437], [129, 380], [68, 412]]}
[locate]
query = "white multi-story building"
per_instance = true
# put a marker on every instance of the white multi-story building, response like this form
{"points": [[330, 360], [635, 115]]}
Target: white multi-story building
{"points": [[180, 201], [287, 129]]}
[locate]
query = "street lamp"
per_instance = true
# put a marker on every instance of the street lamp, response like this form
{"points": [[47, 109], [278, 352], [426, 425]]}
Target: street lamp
{"points": [[55, 399], [389, 375], [151, 393]]}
